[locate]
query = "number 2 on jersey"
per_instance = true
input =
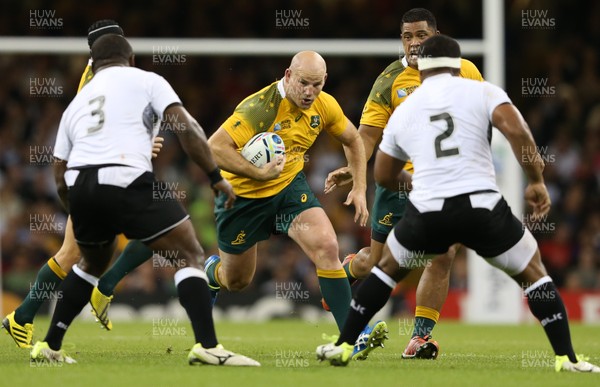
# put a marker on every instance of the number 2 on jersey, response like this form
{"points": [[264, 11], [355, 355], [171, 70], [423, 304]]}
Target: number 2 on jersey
{"points": [[439, 152], [97, 112]]}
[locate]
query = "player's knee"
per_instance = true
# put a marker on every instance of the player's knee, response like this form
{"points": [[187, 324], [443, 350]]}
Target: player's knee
{"points": [[237, 284], [362, 264], [442, 263], [327, 249]]}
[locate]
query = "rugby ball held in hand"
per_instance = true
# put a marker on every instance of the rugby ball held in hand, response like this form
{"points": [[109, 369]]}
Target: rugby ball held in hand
{"points": [[263, 148]]}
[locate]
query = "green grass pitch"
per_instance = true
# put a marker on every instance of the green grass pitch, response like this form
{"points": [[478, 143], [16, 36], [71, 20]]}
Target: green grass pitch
{"points": [[154, 354]]}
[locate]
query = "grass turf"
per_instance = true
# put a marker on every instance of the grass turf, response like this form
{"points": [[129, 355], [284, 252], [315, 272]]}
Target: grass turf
{"points": [[154, 354]]}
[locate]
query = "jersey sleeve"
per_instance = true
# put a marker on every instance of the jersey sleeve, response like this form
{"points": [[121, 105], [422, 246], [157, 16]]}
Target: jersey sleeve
{"points": [[336, 121], [63, 145], [239, 128], [493, 96], [378, 108], [161, 94]]}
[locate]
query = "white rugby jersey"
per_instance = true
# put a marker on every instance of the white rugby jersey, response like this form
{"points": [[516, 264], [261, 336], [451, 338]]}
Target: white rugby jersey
{"points": [[444, 128], [110, 121]]}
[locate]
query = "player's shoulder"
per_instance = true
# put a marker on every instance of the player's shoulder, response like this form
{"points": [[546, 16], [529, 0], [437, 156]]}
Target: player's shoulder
{"points": [[260, 109], [327, 101], [468, 70], [387, 77], [267, 98], [475, 84], [393, 69], [137, 72], [125, 72]]}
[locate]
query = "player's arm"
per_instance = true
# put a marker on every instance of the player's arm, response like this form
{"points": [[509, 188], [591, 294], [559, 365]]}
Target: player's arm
{"points": [[230, 160], [389, 173], [370, 136], [194, 143], [60, 166], [507, 118], [357, 164]]}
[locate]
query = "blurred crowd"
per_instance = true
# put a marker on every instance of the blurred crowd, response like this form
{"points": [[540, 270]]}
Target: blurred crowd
{"points": [[564, 116]]}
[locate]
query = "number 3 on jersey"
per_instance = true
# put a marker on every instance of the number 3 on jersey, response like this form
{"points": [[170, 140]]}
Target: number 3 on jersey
{"points": [[99, 101], [439, 152]]}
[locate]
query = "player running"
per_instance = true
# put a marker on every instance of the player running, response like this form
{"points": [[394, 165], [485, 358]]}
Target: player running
{"points": [[19, 323], [445, 128], [390, 90], [105, 181], [276, 198]]}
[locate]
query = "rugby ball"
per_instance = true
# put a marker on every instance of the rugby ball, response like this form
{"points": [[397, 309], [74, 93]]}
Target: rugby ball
{"points": [[263, 148]]}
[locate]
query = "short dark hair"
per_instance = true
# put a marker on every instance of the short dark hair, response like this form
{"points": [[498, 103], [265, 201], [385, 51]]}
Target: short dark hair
{"points": [[103, 27], [419, 14], [440, 45], [111, 47]]}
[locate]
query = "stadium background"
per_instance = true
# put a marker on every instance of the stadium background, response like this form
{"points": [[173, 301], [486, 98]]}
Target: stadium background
{"points": [[552, 75]]}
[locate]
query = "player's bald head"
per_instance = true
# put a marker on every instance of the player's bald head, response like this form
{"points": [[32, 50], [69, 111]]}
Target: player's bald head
{"points": [[309, 63], [111, 48], [305, 77]]}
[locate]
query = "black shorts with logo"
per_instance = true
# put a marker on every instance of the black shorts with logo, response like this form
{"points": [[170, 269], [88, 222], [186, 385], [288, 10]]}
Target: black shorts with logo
{"points": [[144, 210], [488, 232]]}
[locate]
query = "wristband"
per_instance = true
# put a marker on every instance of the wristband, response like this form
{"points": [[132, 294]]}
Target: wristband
{"points": [[214, 176]]}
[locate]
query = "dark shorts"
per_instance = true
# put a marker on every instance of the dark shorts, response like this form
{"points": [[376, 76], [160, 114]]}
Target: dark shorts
{"points": [[488, 232], [388, 208], [144, 210], [250, 221]]}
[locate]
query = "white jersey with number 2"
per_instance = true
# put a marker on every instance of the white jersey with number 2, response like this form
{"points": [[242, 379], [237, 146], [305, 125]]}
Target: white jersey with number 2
{"points": [[444, 128]]}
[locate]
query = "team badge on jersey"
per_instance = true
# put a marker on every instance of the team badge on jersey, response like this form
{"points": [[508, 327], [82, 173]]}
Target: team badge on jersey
{"points": [[315, 121]]}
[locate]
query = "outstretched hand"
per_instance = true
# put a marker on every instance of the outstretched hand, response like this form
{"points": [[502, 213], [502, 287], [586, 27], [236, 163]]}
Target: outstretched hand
{"points": [[338, 178], [359, 200]]}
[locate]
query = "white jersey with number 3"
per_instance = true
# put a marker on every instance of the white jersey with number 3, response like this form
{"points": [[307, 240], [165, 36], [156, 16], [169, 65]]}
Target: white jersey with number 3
{"points": [[444, 128], [110, 121]]}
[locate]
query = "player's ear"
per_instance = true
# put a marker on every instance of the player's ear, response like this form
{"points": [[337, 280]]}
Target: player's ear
{"points": [[132, 60]]}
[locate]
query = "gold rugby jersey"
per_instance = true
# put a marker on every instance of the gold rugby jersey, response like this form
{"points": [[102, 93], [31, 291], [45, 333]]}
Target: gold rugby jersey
{"points": [[269, 111], [392, 87]]}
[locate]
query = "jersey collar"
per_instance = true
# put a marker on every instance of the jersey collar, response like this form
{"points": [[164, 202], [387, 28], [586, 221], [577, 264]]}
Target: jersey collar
{"points": [[280, 87], [404, 61], [407, 67]]}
